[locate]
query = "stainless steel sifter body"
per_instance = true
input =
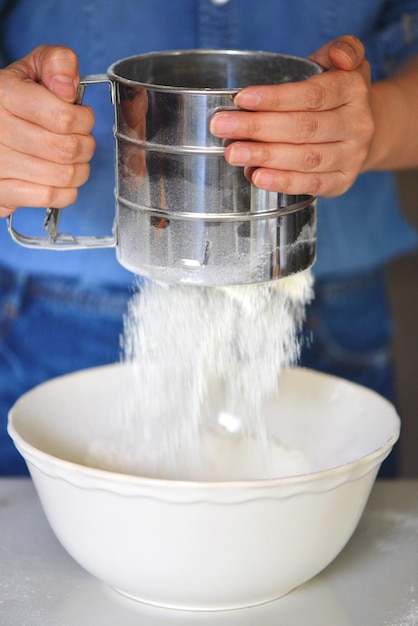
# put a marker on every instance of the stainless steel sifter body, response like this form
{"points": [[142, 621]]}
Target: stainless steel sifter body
{"points": [[183, 214]]}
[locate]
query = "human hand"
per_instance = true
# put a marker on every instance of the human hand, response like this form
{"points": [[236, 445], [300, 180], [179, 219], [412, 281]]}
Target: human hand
{"points": [[45, 141], [308, 137]]}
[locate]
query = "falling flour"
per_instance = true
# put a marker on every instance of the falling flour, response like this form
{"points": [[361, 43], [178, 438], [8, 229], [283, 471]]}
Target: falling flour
{"points": [[202, 362]]}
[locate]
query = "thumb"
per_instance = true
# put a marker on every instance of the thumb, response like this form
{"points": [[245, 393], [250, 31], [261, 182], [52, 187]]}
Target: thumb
{"points": [[345, 53], [56, 67]]}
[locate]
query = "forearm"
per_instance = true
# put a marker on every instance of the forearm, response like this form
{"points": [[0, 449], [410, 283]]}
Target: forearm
{"points": [[394, 105]]}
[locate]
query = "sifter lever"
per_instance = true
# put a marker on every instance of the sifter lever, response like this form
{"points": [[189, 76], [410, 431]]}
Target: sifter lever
{"points": [[52, 217]]}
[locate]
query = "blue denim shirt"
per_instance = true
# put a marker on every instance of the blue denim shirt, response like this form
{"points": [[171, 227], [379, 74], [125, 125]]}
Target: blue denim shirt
{"points": [[358, 231]]}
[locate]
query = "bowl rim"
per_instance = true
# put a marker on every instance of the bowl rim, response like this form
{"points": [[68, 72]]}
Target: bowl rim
{"points": [[88, 477]]}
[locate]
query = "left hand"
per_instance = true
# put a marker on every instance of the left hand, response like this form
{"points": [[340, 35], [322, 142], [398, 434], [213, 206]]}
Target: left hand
{"points": [[308, 137]]}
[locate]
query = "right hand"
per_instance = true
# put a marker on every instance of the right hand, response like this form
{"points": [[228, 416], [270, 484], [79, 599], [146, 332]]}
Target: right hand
{"points": [[45, 141]]}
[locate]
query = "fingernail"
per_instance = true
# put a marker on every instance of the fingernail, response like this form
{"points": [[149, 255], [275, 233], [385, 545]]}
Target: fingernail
{"points": [[238, 155], [222, 124], [64, 88], [347, 51], [247, 99], [263, 179]]}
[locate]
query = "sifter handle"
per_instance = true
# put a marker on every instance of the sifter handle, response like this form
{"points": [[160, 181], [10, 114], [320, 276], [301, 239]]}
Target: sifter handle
{"points": [[55, 239], [52, 217]]}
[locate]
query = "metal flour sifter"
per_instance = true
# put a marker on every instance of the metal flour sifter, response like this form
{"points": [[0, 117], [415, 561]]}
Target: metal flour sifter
{"points": [[183, 214]]}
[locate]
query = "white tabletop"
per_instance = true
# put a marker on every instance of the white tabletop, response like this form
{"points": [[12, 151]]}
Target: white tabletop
{"points": [[373, 582]]}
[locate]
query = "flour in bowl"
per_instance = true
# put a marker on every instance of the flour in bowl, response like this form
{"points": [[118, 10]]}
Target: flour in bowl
{"points": [[196, 354]]}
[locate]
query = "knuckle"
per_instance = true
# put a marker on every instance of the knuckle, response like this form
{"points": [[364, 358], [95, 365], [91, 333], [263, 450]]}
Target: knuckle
{"points": [[56, 197], [312, 159], [306, 127], [315, 97], [70, 148], [65, 175], [315, 184], [63, 119], [50, 197]]}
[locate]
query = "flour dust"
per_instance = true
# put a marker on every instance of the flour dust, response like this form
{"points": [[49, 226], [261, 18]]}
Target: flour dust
{"points": [[202, 362]]}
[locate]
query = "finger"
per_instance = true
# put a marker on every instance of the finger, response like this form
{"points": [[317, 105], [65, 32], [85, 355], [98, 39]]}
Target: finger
{"points": [[318, 93], [20, 193], [33, 103], [35, 141], [346, 53], [299, 127], [39, 171], [324, 157], [327, 184], [56, 67], [24, 96]]}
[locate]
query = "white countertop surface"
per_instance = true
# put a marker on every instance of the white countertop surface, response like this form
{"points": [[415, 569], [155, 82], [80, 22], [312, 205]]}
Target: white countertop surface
{"points": [[373, 582]]}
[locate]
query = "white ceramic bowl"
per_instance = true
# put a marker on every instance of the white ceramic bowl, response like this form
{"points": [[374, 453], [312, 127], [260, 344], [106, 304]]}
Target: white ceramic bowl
{"points": [[207, 545]]}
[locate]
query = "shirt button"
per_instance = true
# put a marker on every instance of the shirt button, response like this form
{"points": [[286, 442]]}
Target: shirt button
{"points": [[219, 2]]}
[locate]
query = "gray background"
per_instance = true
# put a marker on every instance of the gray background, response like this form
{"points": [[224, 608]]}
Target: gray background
{"points": [[403, 274]]}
